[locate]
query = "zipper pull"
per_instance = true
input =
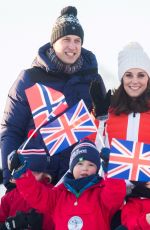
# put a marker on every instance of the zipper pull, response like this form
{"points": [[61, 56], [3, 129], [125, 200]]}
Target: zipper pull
{"points": [[76, 203]]}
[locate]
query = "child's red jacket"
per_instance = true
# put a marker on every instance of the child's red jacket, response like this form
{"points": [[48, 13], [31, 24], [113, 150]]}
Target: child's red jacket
{"points": [[134, 213], [12, 202], [93, 209]]}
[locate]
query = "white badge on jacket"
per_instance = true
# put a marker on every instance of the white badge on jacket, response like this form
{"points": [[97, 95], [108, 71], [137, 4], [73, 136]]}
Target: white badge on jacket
{"points": [[75, 223]]}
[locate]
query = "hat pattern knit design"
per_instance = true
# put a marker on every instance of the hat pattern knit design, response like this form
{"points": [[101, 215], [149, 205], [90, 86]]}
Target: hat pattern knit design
{"points": [[85, 150], [133, 56], [67, 24]]}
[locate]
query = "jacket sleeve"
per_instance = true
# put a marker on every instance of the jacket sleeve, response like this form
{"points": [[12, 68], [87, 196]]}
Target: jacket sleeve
{"points": [[133, 215], [15, 120], [36, 194], [113, 194], [4, 208]]}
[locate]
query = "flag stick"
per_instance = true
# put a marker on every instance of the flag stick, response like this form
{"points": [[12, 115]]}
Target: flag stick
{"points": [[29, 138], [101, 140], [37, 128], [62, 178]]}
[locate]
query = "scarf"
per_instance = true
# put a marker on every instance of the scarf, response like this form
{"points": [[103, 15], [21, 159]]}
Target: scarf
{"points": [[77, 186], [62, 67]]}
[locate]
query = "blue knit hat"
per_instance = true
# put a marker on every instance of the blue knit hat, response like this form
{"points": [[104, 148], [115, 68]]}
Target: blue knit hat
{"points": [[38, 160], [85, 150]]}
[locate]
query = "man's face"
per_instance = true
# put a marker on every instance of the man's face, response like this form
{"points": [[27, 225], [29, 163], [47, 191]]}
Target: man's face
{"points": [[68, 48]]}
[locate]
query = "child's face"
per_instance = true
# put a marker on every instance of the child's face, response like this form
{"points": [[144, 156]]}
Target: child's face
{"points": [[147, 185], [38, 175], [84, 168]]}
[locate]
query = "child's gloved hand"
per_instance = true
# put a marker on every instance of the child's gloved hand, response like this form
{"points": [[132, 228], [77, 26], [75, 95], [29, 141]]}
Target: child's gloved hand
{"points": [[16, 164], [17, 222], [104, 154], [35, 219], [25, 220], [9, 186], [100, 102]]}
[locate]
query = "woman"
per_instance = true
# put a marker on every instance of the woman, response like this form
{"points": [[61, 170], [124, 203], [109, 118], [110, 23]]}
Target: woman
{"points": [[129, 109]]}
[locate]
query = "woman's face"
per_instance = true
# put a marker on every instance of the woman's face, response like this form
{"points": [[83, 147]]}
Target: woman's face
{"points": [[135, 82]]}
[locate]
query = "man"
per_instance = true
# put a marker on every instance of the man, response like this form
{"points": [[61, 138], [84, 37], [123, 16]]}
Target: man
{"points": [[62, 65]]}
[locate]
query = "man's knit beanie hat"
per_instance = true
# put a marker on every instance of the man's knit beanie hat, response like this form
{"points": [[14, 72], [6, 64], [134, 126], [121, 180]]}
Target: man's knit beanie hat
{"points": [[67, 24]]}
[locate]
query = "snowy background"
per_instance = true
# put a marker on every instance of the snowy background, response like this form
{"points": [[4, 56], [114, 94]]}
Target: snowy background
{"points": [[2, 188], [108, 25]]}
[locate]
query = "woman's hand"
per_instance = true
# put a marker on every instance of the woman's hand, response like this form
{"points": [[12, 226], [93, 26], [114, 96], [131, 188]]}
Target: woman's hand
{"points": [[100, 102]]}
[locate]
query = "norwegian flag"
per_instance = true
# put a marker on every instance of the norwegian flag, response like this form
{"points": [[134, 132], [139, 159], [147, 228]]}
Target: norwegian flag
{"points": [[43, 100], [129, 160], [68, 129]]}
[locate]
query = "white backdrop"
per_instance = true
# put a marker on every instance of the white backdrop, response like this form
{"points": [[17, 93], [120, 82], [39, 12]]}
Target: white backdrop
{"points": [[108, 25]]}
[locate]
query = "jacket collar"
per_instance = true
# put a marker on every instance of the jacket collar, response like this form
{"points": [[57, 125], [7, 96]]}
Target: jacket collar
{"points": [[78, 186], [42, 60]]}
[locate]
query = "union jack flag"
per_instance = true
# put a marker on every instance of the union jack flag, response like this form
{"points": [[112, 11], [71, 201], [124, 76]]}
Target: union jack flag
{"points": [[43, 100], [68, 129], [129, 160]]}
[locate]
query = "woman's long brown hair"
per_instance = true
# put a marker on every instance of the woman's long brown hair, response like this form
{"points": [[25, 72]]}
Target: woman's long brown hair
{"points": [[122, 103]]}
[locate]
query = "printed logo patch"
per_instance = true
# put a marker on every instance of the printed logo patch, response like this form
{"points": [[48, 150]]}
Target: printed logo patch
{"points": [[75, 223]]}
